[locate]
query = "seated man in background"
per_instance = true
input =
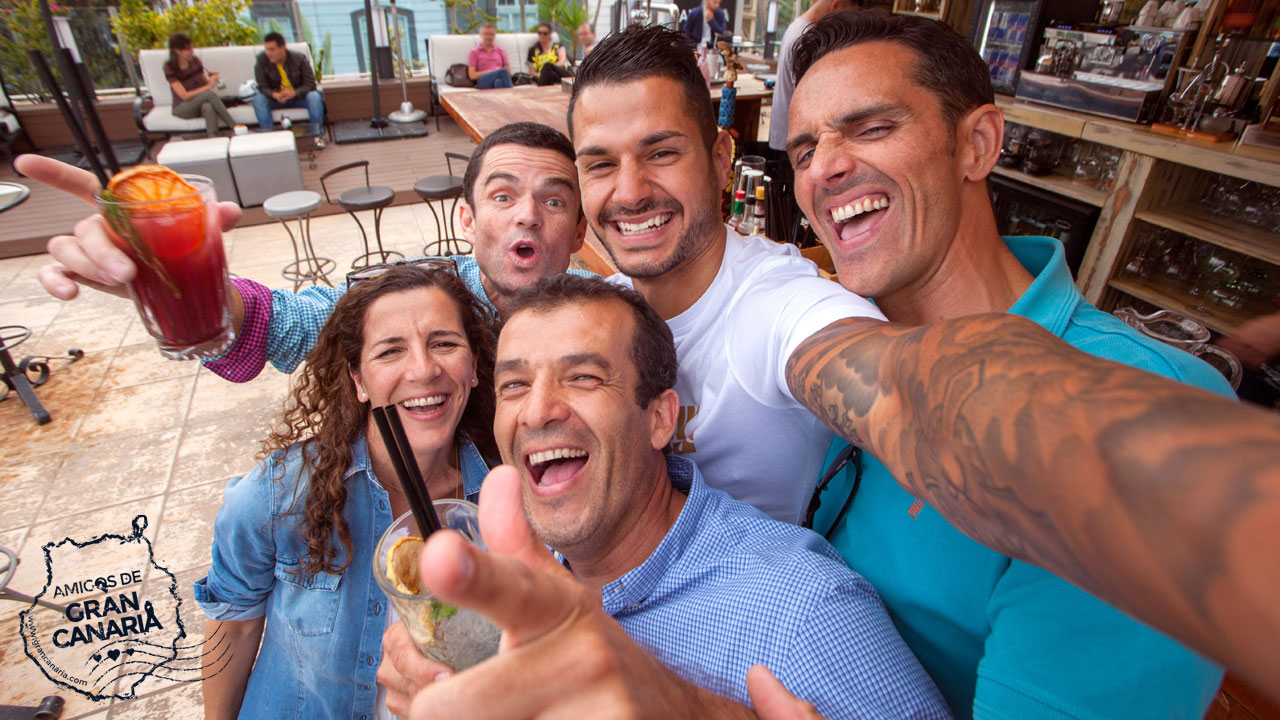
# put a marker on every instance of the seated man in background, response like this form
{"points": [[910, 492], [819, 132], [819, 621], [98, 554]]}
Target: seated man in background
{"points": [[705, 22], [709, 584], [285, 80], [586, 37], [487, 63], [520, 209]]}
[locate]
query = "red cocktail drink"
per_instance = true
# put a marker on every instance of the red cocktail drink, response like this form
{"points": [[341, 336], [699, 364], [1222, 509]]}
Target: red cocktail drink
{"points": [[181, 283]]}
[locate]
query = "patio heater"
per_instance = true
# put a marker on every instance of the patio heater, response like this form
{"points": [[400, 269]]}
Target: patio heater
{"points": [[377, 128], [406, 113]]}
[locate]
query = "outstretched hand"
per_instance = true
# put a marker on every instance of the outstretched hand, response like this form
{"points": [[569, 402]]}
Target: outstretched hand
{"points": [[561, 655], [88, 256]]}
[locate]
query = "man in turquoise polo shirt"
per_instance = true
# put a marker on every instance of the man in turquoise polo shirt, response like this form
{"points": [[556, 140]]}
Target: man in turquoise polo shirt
{"points": [[892, 173]]}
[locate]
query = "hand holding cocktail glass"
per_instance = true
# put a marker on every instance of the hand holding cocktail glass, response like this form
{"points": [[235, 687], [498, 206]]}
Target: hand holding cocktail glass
{"points": [[168, 226], [89, 257]]}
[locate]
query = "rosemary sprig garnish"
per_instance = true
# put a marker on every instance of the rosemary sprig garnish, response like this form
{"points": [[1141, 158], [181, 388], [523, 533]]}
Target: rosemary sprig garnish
{"points": [[118, 220]]}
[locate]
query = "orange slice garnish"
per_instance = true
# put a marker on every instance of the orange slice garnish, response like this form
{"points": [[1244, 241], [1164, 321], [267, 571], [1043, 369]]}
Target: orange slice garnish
{"points": [[402, 564], [148, 182]]}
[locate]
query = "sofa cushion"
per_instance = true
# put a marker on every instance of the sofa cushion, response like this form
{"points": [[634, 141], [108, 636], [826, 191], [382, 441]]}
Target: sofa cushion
{"points": [[161, 118]]}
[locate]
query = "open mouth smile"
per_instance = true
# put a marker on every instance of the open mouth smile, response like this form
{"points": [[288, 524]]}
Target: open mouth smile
{"points": [[426, 407], [555, 466], [857, 217], [646, 225]]}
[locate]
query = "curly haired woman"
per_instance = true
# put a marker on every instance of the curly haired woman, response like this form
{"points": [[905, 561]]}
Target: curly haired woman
{"points": [[294, 540]]}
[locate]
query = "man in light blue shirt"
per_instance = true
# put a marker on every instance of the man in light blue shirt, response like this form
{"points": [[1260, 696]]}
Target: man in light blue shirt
{"points": [[916, 135], [708, 584]]}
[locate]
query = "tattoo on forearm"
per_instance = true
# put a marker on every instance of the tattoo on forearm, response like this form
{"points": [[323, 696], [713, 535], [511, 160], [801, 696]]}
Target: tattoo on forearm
{"points": [[1141, 490]]}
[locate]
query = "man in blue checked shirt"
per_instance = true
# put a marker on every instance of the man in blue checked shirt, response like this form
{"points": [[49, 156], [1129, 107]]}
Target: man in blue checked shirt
{"points": [[711, 586]]}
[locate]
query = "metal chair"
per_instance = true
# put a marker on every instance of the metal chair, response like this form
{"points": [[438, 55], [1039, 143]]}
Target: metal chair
{"points": [[15, 376], [369, 197], [306, 265], [444, 187]]}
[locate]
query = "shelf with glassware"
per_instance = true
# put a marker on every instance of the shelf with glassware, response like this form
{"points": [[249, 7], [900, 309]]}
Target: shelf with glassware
{"points": [[1203, 245], [1055, 183]]}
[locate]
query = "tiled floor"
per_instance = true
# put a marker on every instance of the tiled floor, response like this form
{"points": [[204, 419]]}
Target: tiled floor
{"points": [[136, 434]]}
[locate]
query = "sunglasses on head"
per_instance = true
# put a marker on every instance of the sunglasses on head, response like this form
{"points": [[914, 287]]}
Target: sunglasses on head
{"points": [[373, 271]]}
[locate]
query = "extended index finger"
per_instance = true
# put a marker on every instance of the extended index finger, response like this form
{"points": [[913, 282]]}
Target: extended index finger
{"points": [[59, 175]]}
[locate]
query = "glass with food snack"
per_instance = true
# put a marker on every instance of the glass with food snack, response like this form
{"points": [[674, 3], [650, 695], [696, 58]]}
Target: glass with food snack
{"points": [[168, 225], [447, 634]]}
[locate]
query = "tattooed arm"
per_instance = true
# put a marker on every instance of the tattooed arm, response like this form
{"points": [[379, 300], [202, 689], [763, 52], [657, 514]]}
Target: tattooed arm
{"points": [[1157, 497]]}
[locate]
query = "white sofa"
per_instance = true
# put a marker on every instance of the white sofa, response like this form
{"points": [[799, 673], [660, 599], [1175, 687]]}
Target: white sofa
{"points": [[234, 65], [444, 51]]}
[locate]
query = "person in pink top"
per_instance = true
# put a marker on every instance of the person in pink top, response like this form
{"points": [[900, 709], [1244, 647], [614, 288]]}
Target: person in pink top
{"points": [[487, 64]]}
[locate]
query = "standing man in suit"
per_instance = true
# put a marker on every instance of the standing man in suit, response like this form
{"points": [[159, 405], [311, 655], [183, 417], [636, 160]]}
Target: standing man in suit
{"points": [[705, 22], [285, 80]]}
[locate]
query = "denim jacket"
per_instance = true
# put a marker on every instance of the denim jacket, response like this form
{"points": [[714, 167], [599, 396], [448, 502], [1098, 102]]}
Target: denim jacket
{"points": [[323, 636]]}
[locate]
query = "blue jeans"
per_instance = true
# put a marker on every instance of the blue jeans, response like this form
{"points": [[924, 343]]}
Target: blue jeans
{"points": [[264, 104], [500, 78]]}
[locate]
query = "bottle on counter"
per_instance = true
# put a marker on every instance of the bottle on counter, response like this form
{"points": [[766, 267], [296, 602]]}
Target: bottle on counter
{"points": [[759, 225]]}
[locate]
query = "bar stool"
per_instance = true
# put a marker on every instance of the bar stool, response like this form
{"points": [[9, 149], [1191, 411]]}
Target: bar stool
{"points": [[444, 187], [306, 265], [369, 197]]}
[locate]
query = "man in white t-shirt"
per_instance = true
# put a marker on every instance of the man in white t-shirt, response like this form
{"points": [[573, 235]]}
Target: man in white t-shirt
{"points": [[651, 166]]}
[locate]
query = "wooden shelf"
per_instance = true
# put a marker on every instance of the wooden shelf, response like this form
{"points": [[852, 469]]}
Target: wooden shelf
{"points": [[1055, 184], [913, 13], [1231, 159], [1193, 219], [1215, 317]]}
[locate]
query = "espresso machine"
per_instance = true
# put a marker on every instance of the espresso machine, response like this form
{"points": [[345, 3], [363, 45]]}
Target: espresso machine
{"points": [[1118, 72]]}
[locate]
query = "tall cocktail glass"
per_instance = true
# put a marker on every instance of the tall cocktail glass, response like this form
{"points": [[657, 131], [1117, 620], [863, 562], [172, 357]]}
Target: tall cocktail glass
{"points": [[181, 285], [455, 636]]}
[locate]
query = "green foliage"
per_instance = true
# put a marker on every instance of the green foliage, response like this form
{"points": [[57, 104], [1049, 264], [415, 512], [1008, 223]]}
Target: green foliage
{"points": [[467, 16], [322, 57], [22, 29], [209, 23], [565, 16]]}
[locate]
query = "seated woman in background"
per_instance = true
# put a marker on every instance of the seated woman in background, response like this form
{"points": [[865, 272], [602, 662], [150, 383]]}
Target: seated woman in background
{"points": [[193, 88], [293, 543], [547, 60]]}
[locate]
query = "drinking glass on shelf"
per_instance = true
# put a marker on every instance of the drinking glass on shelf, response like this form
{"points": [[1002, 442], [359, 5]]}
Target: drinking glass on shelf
{"points": [[1087, 170], [1108, 161]]}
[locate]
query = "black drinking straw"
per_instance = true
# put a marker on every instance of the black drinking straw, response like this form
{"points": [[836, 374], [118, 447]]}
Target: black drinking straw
{"points": [[406, 467]]}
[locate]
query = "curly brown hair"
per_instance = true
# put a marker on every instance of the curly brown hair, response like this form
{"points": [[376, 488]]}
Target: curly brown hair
{"points": [[323, 413]]}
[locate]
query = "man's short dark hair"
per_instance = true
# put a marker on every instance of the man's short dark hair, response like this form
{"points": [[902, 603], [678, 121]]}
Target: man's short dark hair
{"points": [[946, 64], [490, 26], [642, 52], [528, 134], [274, 37], [653, 350]]}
